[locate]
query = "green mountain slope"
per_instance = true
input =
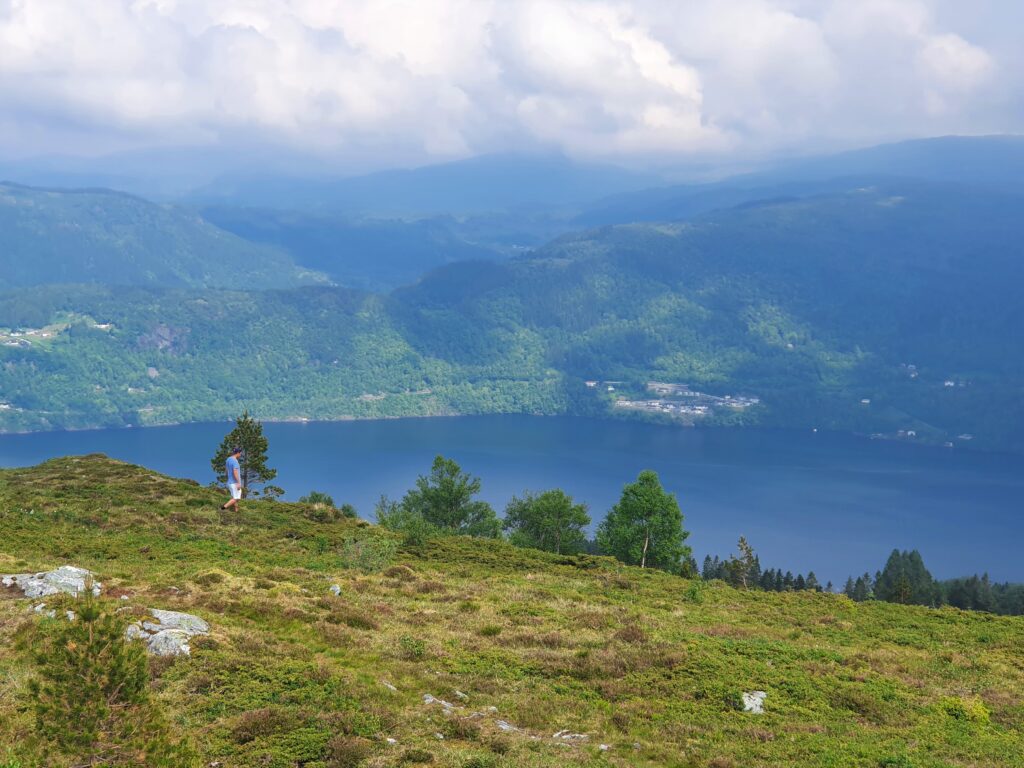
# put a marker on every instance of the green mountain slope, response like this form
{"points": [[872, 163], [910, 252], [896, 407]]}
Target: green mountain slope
{"points": [[894, 307], [99, 236], [648, 665]]}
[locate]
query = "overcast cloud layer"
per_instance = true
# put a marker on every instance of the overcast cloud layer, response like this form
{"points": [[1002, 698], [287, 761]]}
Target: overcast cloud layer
{"points": [[386, 82]]}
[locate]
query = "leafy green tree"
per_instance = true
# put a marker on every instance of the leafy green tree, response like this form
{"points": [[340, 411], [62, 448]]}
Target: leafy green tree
{"points": [[394, 516], [645, 527], [91, 696], [248, 435], [550, 521]]}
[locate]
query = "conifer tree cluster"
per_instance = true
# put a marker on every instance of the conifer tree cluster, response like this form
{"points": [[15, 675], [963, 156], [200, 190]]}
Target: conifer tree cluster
{"points": [[744, 570]]}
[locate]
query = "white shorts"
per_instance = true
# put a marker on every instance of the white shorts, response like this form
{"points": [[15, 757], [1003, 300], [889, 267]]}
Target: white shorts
{"points": [[236, 490]]}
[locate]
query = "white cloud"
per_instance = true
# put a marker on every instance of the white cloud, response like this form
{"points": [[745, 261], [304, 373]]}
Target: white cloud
{"points": [[393, 81]]}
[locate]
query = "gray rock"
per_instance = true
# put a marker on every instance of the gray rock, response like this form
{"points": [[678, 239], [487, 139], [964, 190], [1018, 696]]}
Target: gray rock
{"points": [[570, 736], [506, 726], [186, 622], [168, 633], [753, 702], [447, 706], [388, 685], [67, 578], [170, 642], [336, 589]]}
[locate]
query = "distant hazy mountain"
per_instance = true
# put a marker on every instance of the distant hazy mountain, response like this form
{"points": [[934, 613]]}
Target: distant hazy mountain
{"points": [[99, 236], [993, 162], [370, 254], [486, 183]]}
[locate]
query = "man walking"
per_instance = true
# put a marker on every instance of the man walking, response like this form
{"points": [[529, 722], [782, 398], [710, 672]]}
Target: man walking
{"points": [[234, 472]]}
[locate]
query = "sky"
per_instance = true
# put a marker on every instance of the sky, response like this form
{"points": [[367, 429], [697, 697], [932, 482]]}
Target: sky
{"points": [[367, 84]]}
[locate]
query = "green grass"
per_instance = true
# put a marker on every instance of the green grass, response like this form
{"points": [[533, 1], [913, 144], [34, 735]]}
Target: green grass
{"points": [[643, 662]]}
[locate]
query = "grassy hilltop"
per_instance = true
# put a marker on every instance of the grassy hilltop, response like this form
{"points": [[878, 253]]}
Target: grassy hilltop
{"points": [[650, 665]]}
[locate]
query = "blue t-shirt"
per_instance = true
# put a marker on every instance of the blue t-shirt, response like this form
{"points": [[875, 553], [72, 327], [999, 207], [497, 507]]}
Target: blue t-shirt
{"points": [[232, 465]]}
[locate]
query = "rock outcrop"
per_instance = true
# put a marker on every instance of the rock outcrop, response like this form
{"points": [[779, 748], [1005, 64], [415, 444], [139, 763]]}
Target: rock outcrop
{"points": [[67, 578], [168, 633]]}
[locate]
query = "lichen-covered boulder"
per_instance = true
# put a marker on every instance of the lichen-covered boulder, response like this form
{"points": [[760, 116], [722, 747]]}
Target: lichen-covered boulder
{"points": [[67, 578], [167, 633]]}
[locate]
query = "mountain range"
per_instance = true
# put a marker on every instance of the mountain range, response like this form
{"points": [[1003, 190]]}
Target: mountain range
{"points": [[876, 303]]}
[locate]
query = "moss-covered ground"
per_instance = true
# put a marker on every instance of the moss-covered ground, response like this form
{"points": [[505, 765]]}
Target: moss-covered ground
{"points": [[649, 666]]}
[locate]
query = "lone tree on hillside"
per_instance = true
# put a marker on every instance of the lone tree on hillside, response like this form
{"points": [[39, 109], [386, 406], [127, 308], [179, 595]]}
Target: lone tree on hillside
{"points": [[441, 502], [248, 435], [646, 527], [548, 521]]}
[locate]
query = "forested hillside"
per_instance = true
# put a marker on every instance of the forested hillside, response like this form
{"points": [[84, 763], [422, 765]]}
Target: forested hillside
{"points": [[892, 308], [99, 236]]}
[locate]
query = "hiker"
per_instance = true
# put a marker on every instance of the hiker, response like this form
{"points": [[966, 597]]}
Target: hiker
{"points": [[234, 478]]}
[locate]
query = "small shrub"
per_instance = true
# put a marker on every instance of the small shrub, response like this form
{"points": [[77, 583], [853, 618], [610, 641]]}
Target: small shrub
{"points": [[499, 745], [411, 648], [426, 587], [489, 630], [369, 555], [347, 752], [461, 728], [211, 577], [260, 722], [317, 499], [352, 618], [417, 756], [632, 635], [694, 592], [401, 572], [970, 710], [480, 761], [898, 761], [468, 606]]}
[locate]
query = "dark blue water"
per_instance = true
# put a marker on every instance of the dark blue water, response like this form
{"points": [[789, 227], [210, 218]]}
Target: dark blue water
{"points": [[832, 503]]}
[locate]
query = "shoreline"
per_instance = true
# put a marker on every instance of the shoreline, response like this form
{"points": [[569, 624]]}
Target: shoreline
{"points": [[608, 418]]}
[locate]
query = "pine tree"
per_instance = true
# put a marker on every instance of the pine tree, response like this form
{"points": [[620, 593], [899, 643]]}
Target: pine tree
{"points": [[741, 567], [906, 580], [707, 571], [788, 581], [247, 435], [799, 583], [849, 589], [812, 582], [441, 503], [91, 696]]}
